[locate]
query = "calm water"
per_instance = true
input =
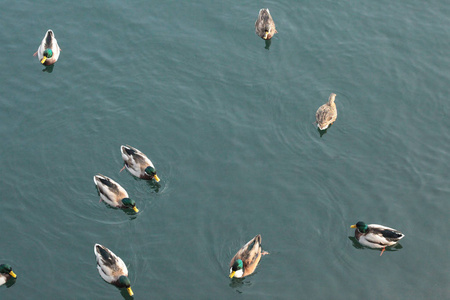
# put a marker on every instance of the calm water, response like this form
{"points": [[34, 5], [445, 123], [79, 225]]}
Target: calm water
{"points": [[228, 125]]}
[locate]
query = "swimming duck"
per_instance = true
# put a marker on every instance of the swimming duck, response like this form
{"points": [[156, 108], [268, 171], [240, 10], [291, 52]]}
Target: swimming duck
{"points": [[247, 258], [264, 25], [138, 164], [376, 236], [112, 193], [327, 113], [112, 268], [48, 51], [6, 273]]}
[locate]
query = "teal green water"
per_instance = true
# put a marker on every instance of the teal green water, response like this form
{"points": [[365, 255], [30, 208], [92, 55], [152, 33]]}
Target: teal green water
{"points": [[228, 125]]}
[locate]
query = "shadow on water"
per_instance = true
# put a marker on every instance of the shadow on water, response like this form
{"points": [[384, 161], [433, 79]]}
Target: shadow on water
{"points": [[10, 282], [237, 283], [357, 245], [268, 43], [155, 186], [48, 69], [322, 132]]}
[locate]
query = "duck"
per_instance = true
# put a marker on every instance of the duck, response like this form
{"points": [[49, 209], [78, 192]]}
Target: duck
{"points": [[264, 25], [48, 52], [6, 273], [113, 193], [112, 268], [376, 236], [138, 164], [247, 258], [327, 113]]}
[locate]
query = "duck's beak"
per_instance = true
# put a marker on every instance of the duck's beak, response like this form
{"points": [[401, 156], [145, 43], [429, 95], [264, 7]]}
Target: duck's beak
{"points": [[135, 209], [43, 59], [232, 274], [130, 292], [156, 178], [12, 274], [353, 226]]}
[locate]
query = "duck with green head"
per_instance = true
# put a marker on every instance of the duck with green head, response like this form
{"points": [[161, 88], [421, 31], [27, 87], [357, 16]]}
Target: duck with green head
{"points": [[6, 273], [113, 193], [48, 52], [376, 236], [138, 164], [247, 258], [264, 25], [112, 268]]}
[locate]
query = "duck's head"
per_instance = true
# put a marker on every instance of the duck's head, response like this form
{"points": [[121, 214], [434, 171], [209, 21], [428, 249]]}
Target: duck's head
{"points": [[331, 98], [151, 171], [237, 268], [6, 269], [129, 203], [125, 282], [48, 53], [362, 227], [266, 33]]}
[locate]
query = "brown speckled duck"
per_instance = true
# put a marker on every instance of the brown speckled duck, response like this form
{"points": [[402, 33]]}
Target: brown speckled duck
{"points": [[327, 113], [264, 25]]}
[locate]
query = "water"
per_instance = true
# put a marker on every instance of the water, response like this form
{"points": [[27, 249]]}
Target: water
{"points": [[228, 125]]}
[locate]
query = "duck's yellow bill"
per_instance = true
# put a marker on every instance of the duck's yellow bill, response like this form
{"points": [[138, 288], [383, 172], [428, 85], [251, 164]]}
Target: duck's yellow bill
{"points": [[43, 59], [156, 178], [135, 209], [353, 226], [130, 292], [232, 274], [12, 274]]}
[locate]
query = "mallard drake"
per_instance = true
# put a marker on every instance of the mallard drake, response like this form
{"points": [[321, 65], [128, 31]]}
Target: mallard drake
{"points": [[247, 258], [6, 273], [112, 193], [112, 268], [376, 236], [48, 51], [138, 164], [327, 113], [264, 25]]}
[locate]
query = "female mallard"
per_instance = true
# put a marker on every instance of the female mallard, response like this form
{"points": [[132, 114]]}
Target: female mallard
{"points": [[112, 193], [48, 51], [247, 258], [138, 163], [376, 236], [264, 25], [6, 273], [112, 268], [327, 113]]}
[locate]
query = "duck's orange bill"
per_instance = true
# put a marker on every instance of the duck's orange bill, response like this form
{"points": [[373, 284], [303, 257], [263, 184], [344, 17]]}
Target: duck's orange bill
{"points": [[156, 178]]}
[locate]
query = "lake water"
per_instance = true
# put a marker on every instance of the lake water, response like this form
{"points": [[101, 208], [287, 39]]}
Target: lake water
{"points": [[228, 124]]}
